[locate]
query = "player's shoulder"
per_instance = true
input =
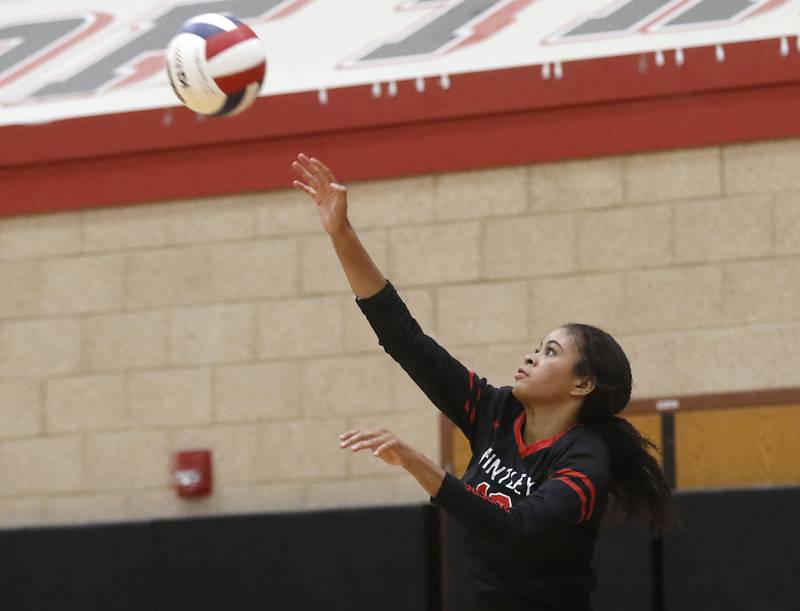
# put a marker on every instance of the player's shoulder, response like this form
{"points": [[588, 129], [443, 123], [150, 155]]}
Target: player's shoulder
{"points": [[583, 439]]}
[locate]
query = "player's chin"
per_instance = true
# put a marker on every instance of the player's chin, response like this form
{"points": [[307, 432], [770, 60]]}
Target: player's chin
{"points": [[519, 388]]}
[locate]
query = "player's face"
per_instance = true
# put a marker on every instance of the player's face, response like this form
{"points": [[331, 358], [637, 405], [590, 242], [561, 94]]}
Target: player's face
{"points": [[547, 373]]}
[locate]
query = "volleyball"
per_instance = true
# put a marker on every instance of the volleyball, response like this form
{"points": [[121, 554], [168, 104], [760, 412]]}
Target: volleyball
{"points": [[216, 65]]}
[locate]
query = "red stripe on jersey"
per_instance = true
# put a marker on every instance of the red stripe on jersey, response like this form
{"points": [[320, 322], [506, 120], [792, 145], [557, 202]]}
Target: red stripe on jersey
{"points": [[236, 82], [218, 43], [587, 482], [471, 376], [579, 492], [466, 406], [524, 450]]}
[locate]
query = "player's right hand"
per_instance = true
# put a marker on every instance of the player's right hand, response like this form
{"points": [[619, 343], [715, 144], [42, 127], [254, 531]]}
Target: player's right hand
{"points": [[329, 196]]}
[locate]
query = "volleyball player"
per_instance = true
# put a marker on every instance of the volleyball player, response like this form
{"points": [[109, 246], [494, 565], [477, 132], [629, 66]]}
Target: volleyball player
{"points": [[548, 453]]}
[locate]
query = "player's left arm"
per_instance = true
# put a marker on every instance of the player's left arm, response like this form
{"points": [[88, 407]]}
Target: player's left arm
{"points": [[571, 497], [386, 446]]}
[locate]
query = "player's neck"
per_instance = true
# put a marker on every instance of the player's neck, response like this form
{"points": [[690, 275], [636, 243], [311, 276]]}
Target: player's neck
{"points": [[545, 422]]}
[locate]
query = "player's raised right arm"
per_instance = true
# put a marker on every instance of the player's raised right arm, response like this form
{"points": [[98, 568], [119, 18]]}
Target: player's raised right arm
{"points": [[331, 199], [450, 386]]}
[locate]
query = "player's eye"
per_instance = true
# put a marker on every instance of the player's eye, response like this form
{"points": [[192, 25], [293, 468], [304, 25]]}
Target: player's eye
{"points": [[550, 350]]}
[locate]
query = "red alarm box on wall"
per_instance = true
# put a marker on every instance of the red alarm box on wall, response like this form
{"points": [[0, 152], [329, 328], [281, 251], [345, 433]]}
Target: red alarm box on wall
{"points": [[192, 473]]}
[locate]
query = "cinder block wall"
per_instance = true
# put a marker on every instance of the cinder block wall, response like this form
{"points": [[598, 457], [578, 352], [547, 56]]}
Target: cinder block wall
{"points": [[127, 334]]}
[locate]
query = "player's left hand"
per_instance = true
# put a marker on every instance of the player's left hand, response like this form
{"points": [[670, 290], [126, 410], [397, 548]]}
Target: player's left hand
{"points": [[383, 443]]}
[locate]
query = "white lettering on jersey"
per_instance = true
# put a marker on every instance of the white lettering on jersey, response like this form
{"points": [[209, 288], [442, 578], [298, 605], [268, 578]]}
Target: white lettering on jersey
{"points": [[507, 475], [493, 467], [518, 484]]}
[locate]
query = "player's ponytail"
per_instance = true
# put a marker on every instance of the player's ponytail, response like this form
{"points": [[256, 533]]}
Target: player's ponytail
{"points": [[638, 485]]}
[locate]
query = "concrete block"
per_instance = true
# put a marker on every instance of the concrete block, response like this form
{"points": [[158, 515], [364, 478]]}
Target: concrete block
{"points": [[597, 300], [672, 175], [211, 220], [625, 238], [127, 461], [262, 498], [300, 327], [787, 224], [732, 228], [362, 492], [737, 358], [170, 397], [86, 403], [676, 298], [85, 509], [22, 290], [572, 185], [121, 341], [254, 270], [15, 513], [302, 450], [762, 291], [130, 227], [40, 236], [40, 466], [83, 284], [281, 213], [170, 277], [482, 313], [528, 247], [383, 203], [39, 348], [757, 167], [652, 358], [264, 391], [434, 253], [20, 408], [481, 193], [346, 385], [212, 334]]}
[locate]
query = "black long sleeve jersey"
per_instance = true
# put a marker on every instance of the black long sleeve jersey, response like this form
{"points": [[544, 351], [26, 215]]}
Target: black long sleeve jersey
{"points": [[531, 512]]}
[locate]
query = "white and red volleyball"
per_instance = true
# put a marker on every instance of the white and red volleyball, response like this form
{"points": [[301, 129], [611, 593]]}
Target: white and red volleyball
{"points": [[216, 65]]}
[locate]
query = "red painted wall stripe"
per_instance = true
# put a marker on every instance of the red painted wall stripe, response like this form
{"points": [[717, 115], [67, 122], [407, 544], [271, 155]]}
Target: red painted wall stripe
{"points": [[601, 107]]}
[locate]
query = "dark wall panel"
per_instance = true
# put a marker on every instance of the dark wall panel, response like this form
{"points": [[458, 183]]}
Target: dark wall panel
{"points": [[735, 550], [98, 567], [622, 562], [380, 558]]}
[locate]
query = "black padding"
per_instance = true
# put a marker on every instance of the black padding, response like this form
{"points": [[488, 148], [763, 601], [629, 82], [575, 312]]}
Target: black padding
{"points": [[456, 567], [13, 574], [337, 560], [735, 550], [622, 562], [98, 567]]}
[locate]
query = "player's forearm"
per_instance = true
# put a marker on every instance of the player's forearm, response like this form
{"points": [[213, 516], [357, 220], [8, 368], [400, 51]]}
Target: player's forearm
{"points": [[425, 471], [363, 275]]}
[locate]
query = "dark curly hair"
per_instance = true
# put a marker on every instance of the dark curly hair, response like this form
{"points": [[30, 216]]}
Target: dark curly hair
{"points": [[638, 485]]}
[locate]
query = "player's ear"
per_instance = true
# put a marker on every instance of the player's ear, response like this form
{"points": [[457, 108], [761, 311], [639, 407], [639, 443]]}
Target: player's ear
{"points": [[583, 386]]}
